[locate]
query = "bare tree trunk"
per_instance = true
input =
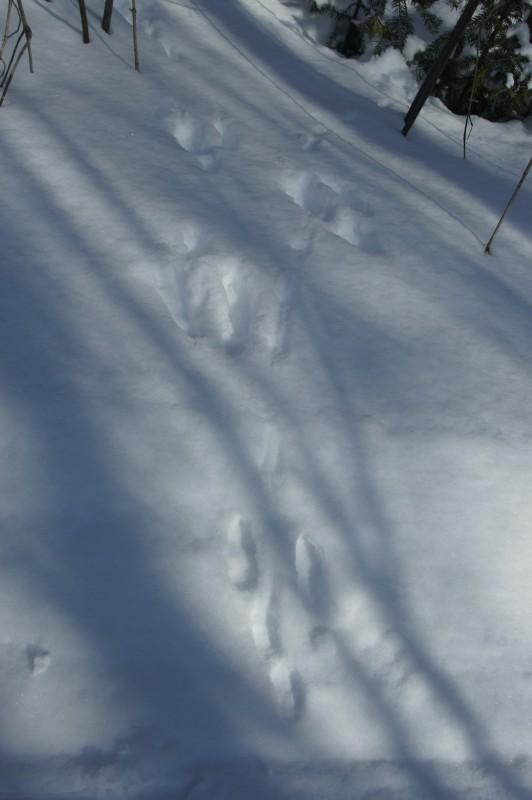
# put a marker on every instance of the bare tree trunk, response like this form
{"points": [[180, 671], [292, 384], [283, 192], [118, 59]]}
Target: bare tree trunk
{"points": [[84, 21], [439, 65], [135, 40], [27, 31], [107, 14]]}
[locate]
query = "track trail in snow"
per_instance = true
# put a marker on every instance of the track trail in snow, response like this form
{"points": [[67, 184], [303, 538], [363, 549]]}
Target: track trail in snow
{"points": [[296, 621], [203, 138], [222, 299], [324, 202], [248, 572]]}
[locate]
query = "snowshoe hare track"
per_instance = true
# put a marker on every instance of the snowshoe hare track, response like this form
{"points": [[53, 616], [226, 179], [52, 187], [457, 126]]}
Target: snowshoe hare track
{"points": [[242, 555], [226, 302], [334, 210], [38, 659], [378, 645], [311, 577], [161, 31], [18, 661], [248, 576], [203, 138], [288, 688]]}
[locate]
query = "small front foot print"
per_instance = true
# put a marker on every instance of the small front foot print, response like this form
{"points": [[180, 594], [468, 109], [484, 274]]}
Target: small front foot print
{"points": [[336, 211], [265, 625], [241, 555], [203, 138], [289, 690], [38, 659], [314, 196], [311, 578]]}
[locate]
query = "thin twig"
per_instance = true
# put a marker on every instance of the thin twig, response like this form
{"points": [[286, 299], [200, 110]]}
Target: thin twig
{"points": [[10, 78], [135, 40], [5, 76], [7, 35], [509, 203], [27, 31], [23, 32], [6, 28]]}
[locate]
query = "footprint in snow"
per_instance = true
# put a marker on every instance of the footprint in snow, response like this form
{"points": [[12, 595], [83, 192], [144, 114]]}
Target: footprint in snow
{"points": [[225, 301], [335, 211], [379, 646], [323, 665], [242, 555], [245, 574], [196, 239], [264, 622], [270, 460], [313, 139], [311, 576], [288, 688], [38, 659], [158, 30], [203, 138]]}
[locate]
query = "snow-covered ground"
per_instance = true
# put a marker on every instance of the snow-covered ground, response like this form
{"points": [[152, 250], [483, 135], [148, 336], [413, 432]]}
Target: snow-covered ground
{"points": [[266, 422]]}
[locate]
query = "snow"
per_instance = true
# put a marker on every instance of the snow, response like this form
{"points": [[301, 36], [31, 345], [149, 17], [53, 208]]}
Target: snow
{"points": [[266, 424]]}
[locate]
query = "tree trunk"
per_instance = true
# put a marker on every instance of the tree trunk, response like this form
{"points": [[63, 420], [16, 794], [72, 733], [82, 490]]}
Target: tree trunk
{"points": [[107, 14]]}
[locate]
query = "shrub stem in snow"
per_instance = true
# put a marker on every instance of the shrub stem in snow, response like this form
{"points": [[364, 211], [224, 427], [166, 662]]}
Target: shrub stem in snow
{"points": [[509, 203], [135, 40]]}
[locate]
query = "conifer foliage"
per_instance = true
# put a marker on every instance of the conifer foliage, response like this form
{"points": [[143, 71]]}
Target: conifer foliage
{"points": [[490, 71]]}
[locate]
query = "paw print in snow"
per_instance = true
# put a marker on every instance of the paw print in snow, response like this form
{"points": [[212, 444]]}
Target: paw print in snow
{"points": [[38, 659]]}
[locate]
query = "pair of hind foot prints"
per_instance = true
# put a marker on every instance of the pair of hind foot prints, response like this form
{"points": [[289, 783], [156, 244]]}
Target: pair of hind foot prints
{"points": [[245, 573], [205, 139], [223, 300], [332, 208]]}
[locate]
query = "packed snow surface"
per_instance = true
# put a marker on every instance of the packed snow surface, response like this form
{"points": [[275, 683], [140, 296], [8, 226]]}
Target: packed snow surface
{"points": [[266, 419]]}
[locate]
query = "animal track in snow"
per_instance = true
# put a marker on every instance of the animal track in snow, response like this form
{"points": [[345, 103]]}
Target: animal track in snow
{"points": [[264, 623], [323, 663], [311, 576], [323, 640], [225, 301], [270, 459], [394, 666], [312, 140], [333, 209], [38, 659], [196, 239], [378, 646], [288, 689], [247, 575], [203, 138], [313, 196], [242, 555], [159, 30]]}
